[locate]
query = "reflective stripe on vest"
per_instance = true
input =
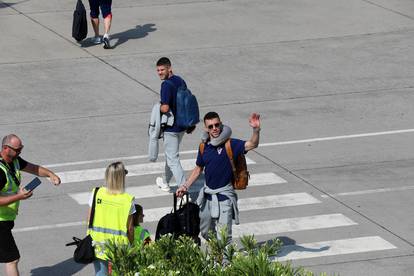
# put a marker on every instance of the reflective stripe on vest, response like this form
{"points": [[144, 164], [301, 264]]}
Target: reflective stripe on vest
{"points": [[109, 231], [110, 220], [9, 212]]}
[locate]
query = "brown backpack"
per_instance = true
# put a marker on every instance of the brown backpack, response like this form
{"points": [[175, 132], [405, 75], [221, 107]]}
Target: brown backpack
{"points": [[239, 166]]}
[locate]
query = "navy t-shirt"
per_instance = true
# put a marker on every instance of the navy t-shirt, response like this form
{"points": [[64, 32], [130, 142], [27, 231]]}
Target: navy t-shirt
{"points": [[169, 96], [217, 166]]}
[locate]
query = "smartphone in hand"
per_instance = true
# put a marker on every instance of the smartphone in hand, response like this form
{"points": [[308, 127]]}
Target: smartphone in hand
{"points": [[33, 184]]}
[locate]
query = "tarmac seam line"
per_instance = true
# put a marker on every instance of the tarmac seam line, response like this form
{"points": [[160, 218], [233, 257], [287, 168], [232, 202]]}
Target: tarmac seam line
{"points": [[362, 260], [355, 164], [261, 44], [83, 49], [126, 7], [373, 91], [389, 9], [335, 199]]}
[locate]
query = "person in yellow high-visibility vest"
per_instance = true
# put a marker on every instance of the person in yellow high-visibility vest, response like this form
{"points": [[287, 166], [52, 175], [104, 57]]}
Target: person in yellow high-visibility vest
{"points": [[113, 219], [141, 235], [10, 195]]}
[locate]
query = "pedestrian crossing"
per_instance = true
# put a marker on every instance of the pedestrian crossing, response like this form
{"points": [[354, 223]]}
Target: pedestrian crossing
{"points": [[273, 227], [133, 170]]}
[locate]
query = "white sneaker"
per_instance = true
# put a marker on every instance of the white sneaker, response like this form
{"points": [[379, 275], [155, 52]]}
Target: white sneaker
{"points": [[163, 186], [96, 40]]}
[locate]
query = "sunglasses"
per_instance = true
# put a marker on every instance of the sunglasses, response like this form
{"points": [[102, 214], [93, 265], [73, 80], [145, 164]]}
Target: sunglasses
{"points": [[18, 150], [216, 125], [126, 172]]}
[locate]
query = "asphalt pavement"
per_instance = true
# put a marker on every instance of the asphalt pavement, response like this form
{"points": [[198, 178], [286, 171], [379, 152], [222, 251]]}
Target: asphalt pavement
{"points": [[333, 81]]}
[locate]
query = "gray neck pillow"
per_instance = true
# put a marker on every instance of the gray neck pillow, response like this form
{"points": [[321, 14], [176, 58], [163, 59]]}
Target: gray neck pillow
{"points": [[223, 137]]}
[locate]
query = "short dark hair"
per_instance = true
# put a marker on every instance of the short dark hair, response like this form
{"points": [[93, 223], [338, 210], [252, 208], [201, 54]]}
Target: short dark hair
{"points": [[211, 115], [164, 61], [138, 212]]}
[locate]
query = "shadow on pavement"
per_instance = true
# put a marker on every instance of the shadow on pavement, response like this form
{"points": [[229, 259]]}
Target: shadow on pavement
{"points": [[122, 37], [133, 33], [67, 267], [8, 5], [289, 245]]}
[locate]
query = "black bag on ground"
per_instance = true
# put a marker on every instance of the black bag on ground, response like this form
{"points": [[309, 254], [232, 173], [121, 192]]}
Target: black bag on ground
{"points": [[80, 22], [184, 221], [85, 252]]}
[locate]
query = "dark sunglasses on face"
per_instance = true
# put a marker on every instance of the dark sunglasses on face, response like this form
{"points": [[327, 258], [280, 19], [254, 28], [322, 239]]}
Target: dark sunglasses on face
{"points": [[19, 150], [216, 125], [126, 172]]}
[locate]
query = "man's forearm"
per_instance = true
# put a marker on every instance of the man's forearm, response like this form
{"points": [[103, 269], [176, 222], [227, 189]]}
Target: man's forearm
{"points": [[195, 173], [38, 170], [255, 136], [6, 200], [254, 140], [45, 172]]}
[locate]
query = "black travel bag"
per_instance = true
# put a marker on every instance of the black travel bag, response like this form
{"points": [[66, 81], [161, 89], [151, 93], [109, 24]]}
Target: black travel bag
{"points": [[80, 22], [182, 221], [85, 252]]}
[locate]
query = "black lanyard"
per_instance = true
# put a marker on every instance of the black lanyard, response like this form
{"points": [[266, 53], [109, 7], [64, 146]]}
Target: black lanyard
{"points": [[11, 172]]}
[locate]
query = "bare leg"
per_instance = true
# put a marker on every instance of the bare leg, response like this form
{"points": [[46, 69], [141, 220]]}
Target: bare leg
{"points": [[107, 23], [95, 25], [11, 268]]}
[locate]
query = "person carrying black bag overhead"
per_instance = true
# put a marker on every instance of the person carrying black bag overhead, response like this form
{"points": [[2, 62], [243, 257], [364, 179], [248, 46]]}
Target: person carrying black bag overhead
{"points": [[113, 218]]}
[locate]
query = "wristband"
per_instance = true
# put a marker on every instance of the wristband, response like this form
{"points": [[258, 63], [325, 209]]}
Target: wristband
{"points": [[256, 129]]}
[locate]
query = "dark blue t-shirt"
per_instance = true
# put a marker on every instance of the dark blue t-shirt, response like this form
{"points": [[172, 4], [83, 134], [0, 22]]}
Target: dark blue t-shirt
{"points": [[217, 166], [169, 96]]}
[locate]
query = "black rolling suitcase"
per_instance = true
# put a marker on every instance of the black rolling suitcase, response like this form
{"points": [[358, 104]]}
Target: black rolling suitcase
{"points": [[182, 221]]}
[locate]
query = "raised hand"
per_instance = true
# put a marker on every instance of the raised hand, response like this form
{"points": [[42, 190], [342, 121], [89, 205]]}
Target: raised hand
{"points": [[254, 120]]}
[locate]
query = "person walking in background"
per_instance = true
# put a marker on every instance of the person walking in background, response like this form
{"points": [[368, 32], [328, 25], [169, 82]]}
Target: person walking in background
{"points": [[113, 218], [105, 6], [172, 134], [10, 195], [140, 233], [218, 199]]}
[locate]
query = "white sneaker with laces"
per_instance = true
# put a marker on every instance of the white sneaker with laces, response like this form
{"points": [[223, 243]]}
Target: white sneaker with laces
{"points": [[163, 186]]}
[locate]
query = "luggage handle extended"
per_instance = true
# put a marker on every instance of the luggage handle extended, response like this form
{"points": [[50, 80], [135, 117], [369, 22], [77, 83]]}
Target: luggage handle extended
{"points": [[181, 201]]}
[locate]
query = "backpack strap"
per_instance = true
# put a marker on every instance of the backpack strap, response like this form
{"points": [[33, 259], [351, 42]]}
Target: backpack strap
{"points": [[229, 152], [201, 148], [11, 172], [173, 85], [90, 224]]}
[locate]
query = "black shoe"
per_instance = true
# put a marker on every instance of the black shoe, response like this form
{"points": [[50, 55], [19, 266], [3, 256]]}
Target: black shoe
{"points": [[106, 43]]}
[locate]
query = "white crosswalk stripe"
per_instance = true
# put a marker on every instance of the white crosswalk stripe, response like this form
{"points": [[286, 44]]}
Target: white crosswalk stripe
{"points": [[148, 191], [333, 247], [246, 204], [133, 170], [291, 225]]}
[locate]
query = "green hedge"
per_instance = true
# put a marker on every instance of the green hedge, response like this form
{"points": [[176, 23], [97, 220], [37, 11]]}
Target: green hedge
{"points": [[169, 256]]}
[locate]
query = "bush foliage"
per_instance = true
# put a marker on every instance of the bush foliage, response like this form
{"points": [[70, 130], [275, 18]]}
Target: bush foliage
{"points": [[169, 256]]}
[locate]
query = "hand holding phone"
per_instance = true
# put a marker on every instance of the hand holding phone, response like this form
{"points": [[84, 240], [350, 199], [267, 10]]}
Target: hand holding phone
{"points": [[33, 184], [24, 194]]}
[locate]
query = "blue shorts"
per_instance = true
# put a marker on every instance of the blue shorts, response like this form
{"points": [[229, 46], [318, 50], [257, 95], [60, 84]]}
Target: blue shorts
{"points": [[105, 6]]}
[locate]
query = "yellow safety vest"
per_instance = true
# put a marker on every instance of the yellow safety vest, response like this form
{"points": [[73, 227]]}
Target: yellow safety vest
{"points": [[110, 220], [9, 212], [140, 234]]}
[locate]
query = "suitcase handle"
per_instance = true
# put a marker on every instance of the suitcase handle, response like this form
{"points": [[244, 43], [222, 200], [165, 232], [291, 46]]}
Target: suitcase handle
{"points": [[181, 201]]}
